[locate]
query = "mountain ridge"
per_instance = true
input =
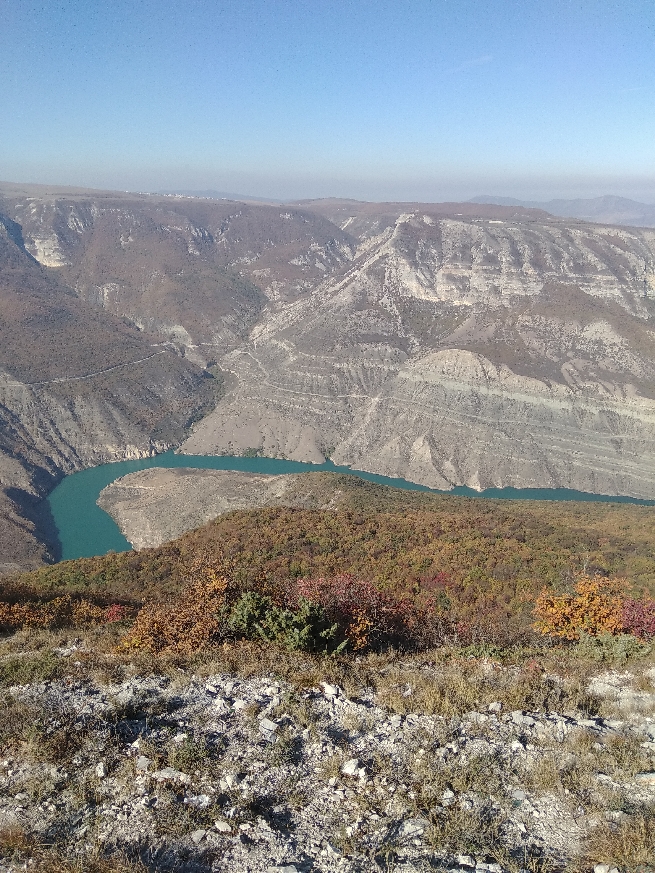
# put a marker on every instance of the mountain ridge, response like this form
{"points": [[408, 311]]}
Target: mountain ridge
{"points": [[475, 344], [607, 209]]}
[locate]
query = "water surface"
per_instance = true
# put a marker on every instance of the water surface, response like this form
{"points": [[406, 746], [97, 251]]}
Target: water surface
{"points": [[86, 530]]}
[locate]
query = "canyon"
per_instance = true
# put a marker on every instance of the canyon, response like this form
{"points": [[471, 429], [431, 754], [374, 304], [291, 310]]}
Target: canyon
{"points": [[449, 344]]}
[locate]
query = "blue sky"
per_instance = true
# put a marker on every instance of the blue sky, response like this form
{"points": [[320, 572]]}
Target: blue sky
{"points": [[412, 99]]}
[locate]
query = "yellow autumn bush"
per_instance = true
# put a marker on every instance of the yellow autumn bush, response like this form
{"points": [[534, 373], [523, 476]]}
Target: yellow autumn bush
{"points": [[595, 607], [64, 611], [191, 621]]}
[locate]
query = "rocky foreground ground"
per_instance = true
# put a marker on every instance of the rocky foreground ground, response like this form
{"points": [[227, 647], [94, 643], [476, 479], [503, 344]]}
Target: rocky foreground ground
{"points": [[225, 773]]}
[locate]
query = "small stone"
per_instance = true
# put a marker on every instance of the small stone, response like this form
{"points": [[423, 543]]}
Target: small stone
{"points": [[517, 716], [198, 836], [267, 725], [229, 782], [395, 721], [199, 801], [646, 779], [465, 860], [330, 690], [101, 770], [602, 868], [222, 826], [142, 763], [412, 827], [180, 738], [168, 774], [493, 707], [286, 868], [477, 717], [239, 704], [351, 767]]}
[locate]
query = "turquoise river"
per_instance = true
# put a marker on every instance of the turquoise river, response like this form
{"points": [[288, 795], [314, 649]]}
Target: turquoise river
{"points": [[86, 530]]}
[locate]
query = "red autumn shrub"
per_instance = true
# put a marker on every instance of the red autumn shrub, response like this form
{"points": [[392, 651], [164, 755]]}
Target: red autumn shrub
{"points": [[638, 618], [371, 618], [116, 612], [362, 611]]}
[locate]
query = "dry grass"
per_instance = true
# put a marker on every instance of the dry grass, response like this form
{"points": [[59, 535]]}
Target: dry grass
{"points": [[572, 768], [443, 682], [630, 844], [457, 686], [21, 848]]}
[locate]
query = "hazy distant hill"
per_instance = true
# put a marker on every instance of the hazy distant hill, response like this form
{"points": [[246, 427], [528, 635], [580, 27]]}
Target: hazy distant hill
{"points": [[605, 210], [212, 194]]}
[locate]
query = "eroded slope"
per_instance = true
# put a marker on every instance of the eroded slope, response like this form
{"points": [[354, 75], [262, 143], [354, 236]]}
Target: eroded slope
{"points": [[478, 351], [154, 506], [77, 387]]}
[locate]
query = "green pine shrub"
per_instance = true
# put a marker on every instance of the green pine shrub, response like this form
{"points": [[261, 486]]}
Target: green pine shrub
{"points": [[305, 628]]}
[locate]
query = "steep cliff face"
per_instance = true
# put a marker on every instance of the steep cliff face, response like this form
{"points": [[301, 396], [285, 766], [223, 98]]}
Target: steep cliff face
{"points": [[77, 387], [480, 351]]}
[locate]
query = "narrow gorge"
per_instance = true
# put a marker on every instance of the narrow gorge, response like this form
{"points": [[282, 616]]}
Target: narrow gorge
{"points": [[447, 344]]}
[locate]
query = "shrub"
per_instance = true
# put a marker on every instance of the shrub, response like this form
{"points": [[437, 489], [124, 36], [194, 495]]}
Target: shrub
{"points": [[191, 622], [21, 670], [116, 612], [370, 618], [596, 607], [58, 612], [306, 628], [638, 618], [611, 649], [365, 615]]}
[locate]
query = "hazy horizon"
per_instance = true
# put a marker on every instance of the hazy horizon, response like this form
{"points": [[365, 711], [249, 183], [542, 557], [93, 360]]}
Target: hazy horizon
{"points": [[430, 101]]}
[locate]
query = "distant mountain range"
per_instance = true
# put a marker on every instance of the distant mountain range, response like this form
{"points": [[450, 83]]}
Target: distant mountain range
{"points": [[604, 210], [212, 194]]}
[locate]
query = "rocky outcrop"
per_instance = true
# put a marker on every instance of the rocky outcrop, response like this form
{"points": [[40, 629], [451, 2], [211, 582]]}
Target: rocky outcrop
{"points": [[154, 506]]}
